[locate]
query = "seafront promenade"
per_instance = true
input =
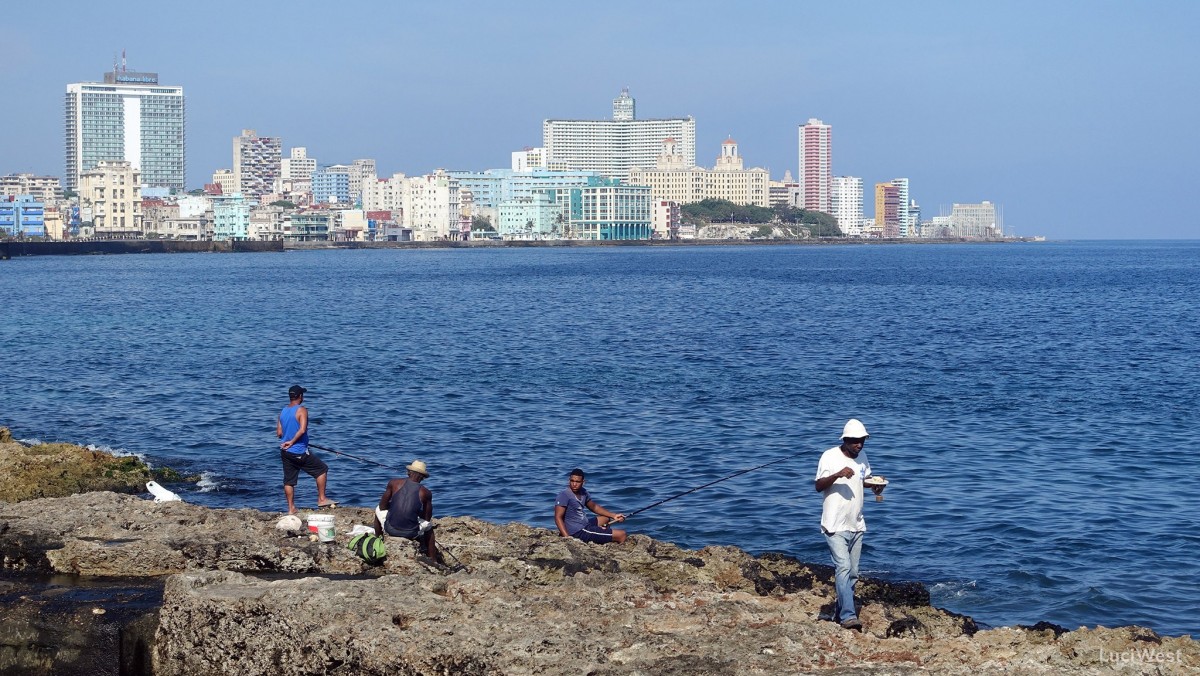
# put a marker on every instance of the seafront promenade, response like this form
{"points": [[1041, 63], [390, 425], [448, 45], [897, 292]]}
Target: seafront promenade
{"points": [[83, 247], [15, 248]]}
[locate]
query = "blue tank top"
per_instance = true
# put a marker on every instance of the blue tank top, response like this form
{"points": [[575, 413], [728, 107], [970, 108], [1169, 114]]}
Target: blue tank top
{"points": [[404, 508], [287, 418]]}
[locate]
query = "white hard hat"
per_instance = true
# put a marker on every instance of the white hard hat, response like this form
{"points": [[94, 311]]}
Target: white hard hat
{"points": [[854, 430]]}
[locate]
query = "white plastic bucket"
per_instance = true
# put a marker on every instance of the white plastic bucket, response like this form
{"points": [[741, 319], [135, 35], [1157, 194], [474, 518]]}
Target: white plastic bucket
{"points": [[322, 525]]}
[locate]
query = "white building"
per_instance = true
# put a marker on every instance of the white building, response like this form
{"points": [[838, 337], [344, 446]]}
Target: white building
{"points": [[431, 205], [529, 159], [298, 166], [908, 227], [384, 194], [45, 189], [614, 147], [110, 200], [191, 206], [975, 220], [664, 219], [266, 223], [362, 172], [130, 117], [350, 226], [847, 204]]}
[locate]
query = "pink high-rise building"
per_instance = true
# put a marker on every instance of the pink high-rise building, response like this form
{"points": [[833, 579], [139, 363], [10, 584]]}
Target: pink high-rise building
{"points": [[816, 166]]}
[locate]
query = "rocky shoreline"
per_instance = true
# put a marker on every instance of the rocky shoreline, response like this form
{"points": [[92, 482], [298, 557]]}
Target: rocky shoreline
{"points": [[240, 596]]}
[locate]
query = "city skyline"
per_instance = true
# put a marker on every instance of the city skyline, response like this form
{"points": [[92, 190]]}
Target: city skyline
{"points": [[1022, 105]]}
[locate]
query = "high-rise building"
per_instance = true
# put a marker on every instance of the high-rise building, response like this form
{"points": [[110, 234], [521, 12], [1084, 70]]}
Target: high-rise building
{"points": [[613, 147], [906, 226], [431, 205], [331, 185], [131, 117], [846, 201], [624, 106], [816, 165], [256, 162], [887, 209], [362, 172]]}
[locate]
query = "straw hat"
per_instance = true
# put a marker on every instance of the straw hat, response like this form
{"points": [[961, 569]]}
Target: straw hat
{"points": [[418, 467]]}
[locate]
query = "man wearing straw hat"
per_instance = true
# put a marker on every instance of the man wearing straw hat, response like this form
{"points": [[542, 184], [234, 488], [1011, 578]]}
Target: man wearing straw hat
{"points": [[840, 475], [409, 509]]}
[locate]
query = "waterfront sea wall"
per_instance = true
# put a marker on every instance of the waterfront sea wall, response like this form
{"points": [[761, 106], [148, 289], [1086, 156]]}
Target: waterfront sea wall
{"points": [[12, 249], [585, 243]]}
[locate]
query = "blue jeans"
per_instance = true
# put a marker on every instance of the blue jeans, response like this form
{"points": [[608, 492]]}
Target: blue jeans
{"points": [[844, 547]]}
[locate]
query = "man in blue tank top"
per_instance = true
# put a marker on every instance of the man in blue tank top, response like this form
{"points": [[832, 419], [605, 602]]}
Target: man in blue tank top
{"points": [[409, 508], [292, 427]]}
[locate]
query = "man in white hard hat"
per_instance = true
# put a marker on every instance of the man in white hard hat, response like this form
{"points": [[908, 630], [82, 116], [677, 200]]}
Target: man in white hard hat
{"points": [[840, 475]]}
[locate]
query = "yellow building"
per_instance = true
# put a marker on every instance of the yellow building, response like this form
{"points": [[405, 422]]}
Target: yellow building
{"points": [[110, 200], [672, 180]]}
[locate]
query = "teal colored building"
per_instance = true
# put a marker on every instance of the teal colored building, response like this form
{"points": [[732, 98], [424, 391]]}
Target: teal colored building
{"points": [[310, 226], [493, 187], [535, 216], [231, 217], [606, 209]]}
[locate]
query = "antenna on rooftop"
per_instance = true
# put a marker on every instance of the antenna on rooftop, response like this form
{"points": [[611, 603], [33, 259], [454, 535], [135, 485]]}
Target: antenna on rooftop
{"points": [[122, 59]]}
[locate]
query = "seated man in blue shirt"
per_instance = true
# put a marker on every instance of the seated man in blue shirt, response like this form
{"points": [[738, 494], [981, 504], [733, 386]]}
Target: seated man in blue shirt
{"points": [[572, 521]]}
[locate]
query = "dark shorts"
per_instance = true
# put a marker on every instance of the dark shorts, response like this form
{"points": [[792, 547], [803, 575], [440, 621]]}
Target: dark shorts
{"points": [[592, 532], [406, 533], [292, 464]]}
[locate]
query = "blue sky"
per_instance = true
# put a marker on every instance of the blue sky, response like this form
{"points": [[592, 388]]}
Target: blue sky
{"points": [[1025, 104]]}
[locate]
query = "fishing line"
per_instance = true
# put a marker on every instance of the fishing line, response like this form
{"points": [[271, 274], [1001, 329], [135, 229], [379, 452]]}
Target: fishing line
{"points": [[355, 457], [693, 490]]}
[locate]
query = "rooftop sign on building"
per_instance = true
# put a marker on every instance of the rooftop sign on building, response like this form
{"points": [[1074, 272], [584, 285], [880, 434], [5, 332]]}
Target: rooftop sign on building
{"points": [[130, 77]]}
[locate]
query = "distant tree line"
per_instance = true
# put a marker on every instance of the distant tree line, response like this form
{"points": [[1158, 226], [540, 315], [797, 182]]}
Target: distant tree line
{"points": [[723, 211]]}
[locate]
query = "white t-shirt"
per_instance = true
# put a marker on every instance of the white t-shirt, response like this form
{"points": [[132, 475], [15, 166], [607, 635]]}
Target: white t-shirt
{"points": [[843, 505]]}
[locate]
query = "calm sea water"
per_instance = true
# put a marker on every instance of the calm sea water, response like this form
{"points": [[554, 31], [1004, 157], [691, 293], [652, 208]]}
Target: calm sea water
{"points": [[1034, 405]]}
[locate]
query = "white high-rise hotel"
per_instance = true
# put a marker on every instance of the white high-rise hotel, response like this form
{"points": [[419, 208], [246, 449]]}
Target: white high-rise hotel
{"points": [[846, 204], [613, 147], [816, 166], [130, 117]]}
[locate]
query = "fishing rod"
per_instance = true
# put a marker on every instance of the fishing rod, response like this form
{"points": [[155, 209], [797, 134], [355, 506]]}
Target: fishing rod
{"points": [[693, 490], [355, 457]]}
